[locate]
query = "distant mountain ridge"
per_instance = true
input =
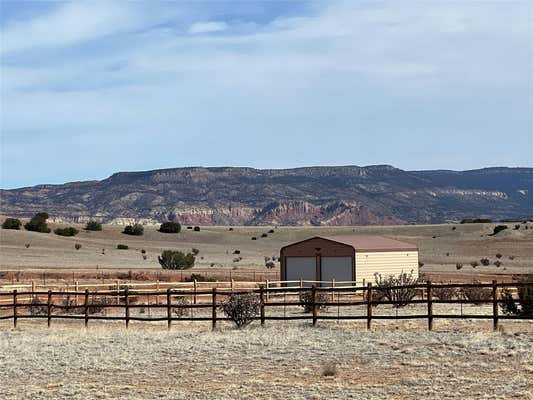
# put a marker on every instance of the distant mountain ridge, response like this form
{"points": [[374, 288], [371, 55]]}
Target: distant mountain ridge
{"points": [[344, 195]]}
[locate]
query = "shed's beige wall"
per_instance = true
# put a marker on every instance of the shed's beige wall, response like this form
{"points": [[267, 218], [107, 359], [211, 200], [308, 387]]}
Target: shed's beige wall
{"points": [[386, 263]]}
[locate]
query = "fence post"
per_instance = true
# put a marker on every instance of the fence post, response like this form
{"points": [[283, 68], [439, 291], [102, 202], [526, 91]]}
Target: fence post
{"points": [[232, 286], [214, 308], [169, 309], [430, 305], [32, 287], [262, 298], [333, 292], [266, 287], [301, 283], [127, 304], [194, 296], [86, 307], [494, 305], [15, 308], [157, 289], [313, 293], [369, 306], [49, 307], [76, 288], [117, 288]]}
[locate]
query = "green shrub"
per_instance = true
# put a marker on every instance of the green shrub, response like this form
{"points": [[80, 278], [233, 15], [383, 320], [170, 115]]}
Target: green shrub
{"points": [[197, 229], [199, 278], [171, 259], [498, 229], [93, 226], [241, 308], [38, 223], [135, 230], [69, 231], [121, 247], [485, 261], [11, 223], [170, 227], [195, 251], [77, 246]]}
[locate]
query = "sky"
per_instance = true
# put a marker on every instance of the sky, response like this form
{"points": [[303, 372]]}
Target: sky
{"points": [[89, 88]]}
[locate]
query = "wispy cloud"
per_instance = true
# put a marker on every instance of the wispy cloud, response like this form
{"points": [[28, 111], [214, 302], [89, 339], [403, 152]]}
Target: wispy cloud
{"points": [[207, 27]]}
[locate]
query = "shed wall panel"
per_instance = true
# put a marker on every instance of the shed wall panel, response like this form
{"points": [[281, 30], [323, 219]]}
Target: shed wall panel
{"points": [[385, 263], [338, 268], [300, 268]]}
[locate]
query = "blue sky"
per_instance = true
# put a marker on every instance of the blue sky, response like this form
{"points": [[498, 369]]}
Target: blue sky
{"points": [[89, 88]]}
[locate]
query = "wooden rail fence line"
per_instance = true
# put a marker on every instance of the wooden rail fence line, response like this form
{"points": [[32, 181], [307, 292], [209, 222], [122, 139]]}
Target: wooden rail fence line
{"points": [[115, 296]]}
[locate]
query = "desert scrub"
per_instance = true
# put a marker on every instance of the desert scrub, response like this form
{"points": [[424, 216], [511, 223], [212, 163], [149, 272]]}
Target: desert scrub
{"points": [[171, 259], [135, 230], [68, 231], [306, 300], [477, 295], [241, 308], [199, 278], [445, 293], [120, 247], [11, 223], [93, 226], [401, 297], [182, 302]]}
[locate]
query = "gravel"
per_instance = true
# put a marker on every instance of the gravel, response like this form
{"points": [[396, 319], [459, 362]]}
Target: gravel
{"points": [[279, 361]]}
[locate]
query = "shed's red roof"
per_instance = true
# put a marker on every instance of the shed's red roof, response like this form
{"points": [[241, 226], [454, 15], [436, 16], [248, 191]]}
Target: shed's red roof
{"points": [[373, 243]]}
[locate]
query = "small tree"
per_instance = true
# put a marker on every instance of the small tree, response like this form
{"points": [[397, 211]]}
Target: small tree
{"points": [[38, 223], [241, 308], [171, 259], [11, 223], [69, 231], [135, 230], [93, 226], [170, 227], [400, 296]]}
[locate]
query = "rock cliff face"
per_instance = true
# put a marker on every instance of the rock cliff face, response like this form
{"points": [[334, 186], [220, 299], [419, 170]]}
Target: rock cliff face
{"points": [[347, 195]]}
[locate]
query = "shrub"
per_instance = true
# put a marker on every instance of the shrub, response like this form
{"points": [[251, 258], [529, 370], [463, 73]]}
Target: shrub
{"points": [[458, 266], [77, 246], [485, 261], [498, 255], [38, 223], [170, 227], [420, 264], [236, 259], [93, 226], [143, 251], [135, 230], [271, 231], [145, 256], [254, 238], [454, 228], [498, 229], [517, 227], [189, 227], [306, 300], [236, 252], [477, 295], [511, 257], [199, 278], [445, 293], [329, 370], [270, 264], [474, 264], [171, 259], [37, 306], [230, 229], [498, 263], [241, 308], [27, 245], [195, 251], [120, 247], [400, 297], [69, 231], [264, 235], [196, 229], [525, 298], [180, 301], [11, 223]]}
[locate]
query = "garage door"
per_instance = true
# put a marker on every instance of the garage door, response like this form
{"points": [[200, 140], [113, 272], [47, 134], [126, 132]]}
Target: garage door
{"points": [[338, 268], [300, 268]]}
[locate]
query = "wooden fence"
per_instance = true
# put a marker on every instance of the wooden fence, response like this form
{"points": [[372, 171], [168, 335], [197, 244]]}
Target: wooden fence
{"points": [[269, 297]]}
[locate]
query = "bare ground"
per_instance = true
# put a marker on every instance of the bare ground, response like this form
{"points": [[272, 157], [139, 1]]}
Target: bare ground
{"points": [[280, 361]]}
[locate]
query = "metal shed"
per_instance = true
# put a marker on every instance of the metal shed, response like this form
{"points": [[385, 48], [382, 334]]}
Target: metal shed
{"points": [[347, 258]]}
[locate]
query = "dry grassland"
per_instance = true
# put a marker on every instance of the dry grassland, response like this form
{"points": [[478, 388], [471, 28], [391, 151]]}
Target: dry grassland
{"points": [[280, 361]]}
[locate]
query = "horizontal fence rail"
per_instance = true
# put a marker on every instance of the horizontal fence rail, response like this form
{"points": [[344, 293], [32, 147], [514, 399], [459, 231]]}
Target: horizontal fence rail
{"points": [[178, 303]]}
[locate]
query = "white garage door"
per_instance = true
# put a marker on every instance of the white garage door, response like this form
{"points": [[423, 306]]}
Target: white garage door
{"points": [[300, 268], [338, 268]]}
